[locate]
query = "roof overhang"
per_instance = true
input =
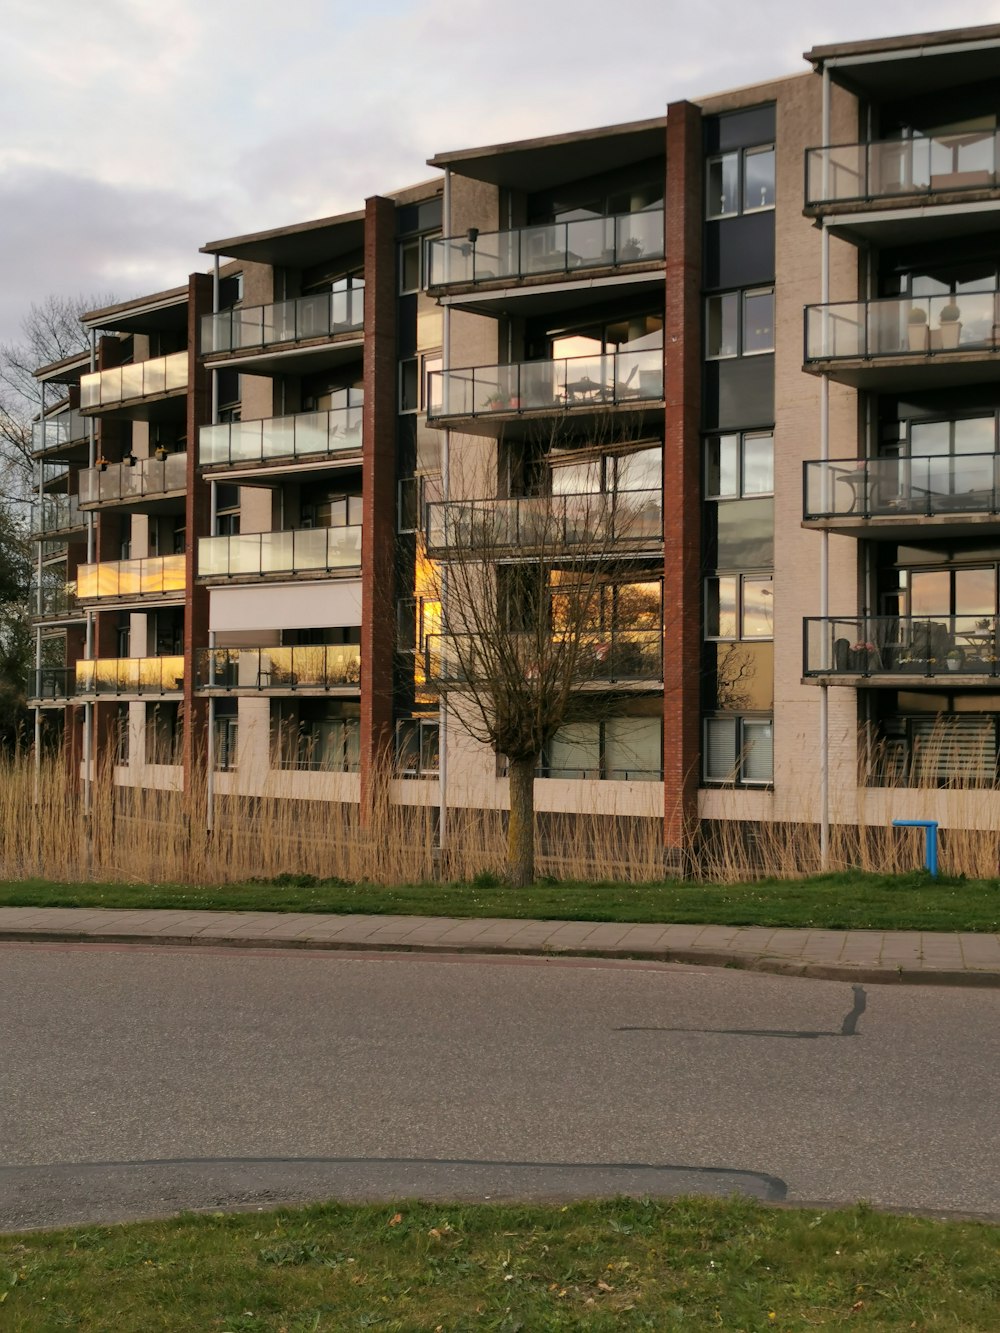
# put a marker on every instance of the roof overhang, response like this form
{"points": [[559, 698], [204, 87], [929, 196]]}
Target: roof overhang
{"points": [[300, 246], [912, 66], [66, 371], [534, 164], [163, 312]]}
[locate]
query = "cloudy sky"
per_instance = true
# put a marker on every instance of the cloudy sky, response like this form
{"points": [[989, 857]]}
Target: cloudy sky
{"points": [[136, 131]]}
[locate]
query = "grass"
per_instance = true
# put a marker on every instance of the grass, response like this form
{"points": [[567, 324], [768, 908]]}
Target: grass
{"points": [[680, 1264], [844, 901]]}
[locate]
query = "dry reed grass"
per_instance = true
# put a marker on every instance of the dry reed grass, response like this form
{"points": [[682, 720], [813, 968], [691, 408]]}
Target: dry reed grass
{"points": [[150, 836]]}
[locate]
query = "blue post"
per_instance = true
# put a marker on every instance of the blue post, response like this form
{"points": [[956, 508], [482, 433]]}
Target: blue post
{"points": [[930, 827]]}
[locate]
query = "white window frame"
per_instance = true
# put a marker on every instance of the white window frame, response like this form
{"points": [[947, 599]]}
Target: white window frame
{"points": [[740, 722], [741, 155], [742, 293]]}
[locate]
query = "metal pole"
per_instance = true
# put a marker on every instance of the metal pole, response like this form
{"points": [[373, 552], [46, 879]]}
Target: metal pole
{"points": [[445, 483], [88, 652], [38, 613], [824, 560], [213, 516]]}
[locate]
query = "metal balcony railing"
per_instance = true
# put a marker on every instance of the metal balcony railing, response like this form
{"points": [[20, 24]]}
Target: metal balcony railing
{"points": [[125, 481], [297, 667], [56, 513], [903, 326], [52, 682], [552, 247], [613, 655], [153, 576], [66, 428], [932, 486], [140, 379], [325, 550], [596, 522], [590, 382], [300, 436], [306, 317], [58, 598], [131, 675], [938, 164], [945, 647]]}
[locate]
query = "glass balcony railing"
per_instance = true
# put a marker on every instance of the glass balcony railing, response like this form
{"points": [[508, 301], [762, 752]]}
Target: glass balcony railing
{"points": [[945, 646], [300, 436], [320, 316], [56, 513], [131, 675], [594, 382], [67, 428], [154, 576], [904, 326], [601, 655], [55, 597], [553, 247], [124, 481], [930, 487], [939, 164], [552, 522], [299, 667], [141, 379], [325, 550], [53, 682]]}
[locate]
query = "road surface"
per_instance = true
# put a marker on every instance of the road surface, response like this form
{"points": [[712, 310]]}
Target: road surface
{"points": [[138, 1081]]}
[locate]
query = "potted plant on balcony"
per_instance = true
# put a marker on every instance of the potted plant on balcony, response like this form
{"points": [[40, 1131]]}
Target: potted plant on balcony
{"points": [[864, 656], [951, 328], [161, 452], [955, 658], [501, 402], [916, 331], [631, 250]]}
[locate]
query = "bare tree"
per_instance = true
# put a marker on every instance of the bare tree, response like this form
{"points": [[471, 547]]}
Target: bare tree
{"points": [[549, 613], [50, 332]]}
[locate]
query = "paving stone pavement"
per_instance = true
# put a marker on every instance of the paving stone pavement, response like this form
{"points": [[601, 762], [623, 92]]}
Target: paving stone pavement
{"points": [[861, 955]]}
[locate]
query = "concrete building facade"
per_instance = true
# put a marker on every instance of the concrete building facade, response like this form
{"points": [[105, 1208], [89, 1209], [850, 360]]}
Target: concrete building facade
{"points": [[766, 325]]}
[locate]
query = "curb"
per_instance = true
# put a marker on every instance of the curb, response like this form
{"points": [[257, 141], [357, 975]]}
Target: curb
{"points": [[734, 960]]}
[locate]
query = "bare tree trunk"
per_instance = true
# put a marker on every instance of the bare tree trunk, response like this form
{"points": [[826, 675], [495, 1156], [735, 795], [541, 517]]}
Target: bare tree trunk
{"points": [[521, 827]]}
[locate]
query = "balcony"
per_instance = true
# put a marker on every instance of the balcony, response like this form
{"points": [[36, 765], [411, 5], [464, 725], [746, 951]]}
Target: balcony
{"points": [[600, 657], [580, 384], [56, 513], [872, 189], [898, 498], [307, 318], [282, 439], [155, 576], [67, 433], [130, 675], [903, 652], [143, 386], [301, 551], [902, 343], [552, 250], [594, 523], [53, 683], [302, 667], [55, 599], [132, 484]]}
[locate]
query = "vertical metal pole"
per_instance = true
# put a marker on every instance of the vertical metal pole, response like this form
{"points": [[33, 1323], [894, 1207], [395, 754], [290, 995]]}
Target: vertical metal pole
{"points": [[213, 515], [445, 484], [824, 559], [38, 612], [88, 652]]}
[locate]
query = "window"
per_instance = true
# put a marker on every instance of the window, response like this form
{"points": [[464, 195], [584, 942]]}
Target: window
{"points": [[739, 750], [739, 606], [416, 618], [740, 182], [617, 749], [410, 274], [164, 733], [227, 511], [417, 754], [226, 735], [739, 465], [316, 735], [420, 383], [740, 323]]}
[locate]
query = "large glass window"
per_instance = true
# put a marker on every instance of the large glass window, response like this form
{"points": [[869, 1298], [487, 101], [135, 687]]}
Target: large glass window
{"points": [[739, 750], [740, 182], [417, 747], [618, 749], [317, 735], [739, 465], [739, 323], [739, 606]]}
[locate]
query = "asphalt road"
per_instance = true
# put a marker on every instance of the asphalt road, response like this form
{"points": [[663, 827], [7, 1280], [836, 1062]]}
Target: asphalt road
{"points": [[136, 1082]]}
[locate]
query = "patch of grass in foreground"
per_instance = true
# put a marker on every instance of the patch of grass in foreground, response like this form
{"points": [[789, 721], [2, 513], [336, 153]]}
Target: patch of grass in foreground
{"points": [[681, 1264], [847, 901]]}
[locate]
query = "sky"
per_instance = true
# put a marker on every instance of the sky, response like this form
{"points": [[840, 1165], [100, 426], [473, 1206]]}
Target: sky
{"points": [[137, 131]]}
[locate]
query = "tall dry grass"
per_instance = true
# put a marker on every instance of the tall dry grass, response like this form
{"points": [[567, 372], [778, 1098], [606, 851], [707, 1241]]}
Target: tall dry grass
{"points": [[152, 836]]}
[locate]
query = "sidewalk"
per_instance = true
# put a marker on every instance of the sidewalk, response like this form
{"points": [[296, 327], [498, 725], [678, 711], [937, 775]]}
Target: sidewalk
{"points": [[857, 955]]}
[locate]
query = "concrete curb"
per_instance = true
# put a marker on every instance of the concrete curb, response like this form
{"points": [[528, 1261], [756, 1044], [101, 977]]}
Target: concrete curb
{"points": [[737, 960]]}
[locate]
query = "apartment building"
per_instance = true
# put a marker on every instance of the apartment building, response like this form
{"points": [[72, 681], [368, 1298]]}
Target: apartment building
{"points": [[765, 325]]}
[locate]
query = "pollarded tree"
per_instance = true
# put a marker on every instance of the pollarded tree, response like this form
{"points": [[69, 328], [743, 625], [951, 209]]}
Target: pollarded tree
{"points": [[551, 605]]}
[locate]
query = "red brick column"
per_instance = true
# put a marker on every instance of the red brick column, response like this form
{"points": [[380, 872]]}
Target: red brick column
{"points": [[682, 478], [378, 537], [197, 522]]}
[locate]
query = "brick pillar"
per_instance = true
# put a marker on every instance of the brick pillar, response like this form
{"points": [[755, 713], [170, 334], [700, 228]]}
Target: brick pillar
{"points": [[682, 477], [378, 537], [197, 522]]}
